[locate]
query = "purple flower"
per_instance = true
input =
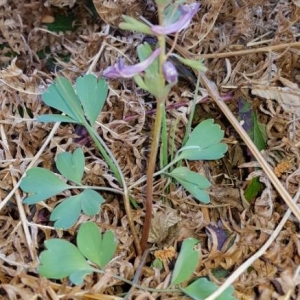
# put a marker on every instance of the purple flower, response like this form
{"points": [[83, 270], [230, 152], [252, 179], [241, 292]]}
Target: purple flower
{"points": [[170, 72], [120, 70], [187, 14]]}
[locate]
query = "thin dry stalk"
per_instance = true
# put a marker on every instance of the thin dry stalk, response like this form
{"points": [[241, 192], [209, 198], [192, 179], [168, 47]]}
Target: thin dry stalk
{"points": [[212, 90]]}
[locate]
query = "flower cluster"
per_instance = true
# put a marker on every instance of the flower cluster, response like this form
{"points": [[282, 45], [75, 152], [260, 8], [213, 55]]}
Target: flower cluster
{"points": [[119, 70]]}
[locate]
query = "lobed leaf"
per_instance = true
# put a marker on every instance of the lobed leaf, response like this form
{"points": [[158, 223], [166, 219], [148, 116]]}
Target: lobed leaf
{"points": [[62, 259], [90, 202], [71, 165], [96, 247], [92, 94], [61, 95], [66, 213], [204, 142], [193, 182], [41, 184], [213, 152]]}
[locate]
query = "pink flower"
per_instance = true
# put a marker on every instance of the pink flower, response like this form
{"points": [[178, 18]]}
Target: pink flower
{"points": [[119, 70], [187, 14]]}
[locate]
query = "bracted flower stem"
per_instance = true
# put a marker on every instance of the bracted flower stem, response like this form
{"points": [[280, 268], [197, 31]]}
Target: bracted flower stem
{"points": [[150, 172], [155, 142]]}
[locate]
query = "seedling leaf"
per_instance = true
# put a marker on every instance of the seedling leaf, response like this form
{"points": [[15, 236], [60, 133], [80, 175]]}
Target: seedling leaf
{"points": [[41, 184], [206, 136], [202, 288], [71, 165], [61, 95], [193, 182], [98, 248], [63, 259], [187, 261], [66, 213], [92, 94]]}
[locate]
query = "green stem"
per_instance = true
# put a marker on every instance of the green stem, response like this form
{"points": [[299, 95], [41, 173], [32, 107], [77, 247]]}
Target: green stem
{"points": [[97, 188], [106, 153], [113, 164]]}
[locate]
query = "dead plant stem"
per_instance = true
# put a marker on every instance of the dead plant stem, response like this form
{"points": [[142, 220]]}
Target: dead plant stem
{"points": [[185, 53]]}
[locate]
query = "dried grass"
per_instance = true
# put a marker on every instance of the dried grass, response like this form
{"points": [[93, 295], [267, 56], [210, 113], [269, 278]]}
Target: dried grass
{"points": [[251, 50]]}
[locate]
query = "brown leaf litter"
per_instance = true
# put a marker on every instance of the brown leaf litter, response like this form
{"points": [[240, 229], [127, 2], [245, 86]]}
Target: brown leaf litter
{"points": [[252, 52]]}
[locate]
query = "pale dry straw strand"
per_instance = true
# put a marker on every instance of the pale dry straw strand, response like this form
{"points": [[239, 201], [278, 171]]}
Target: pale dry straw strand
{"points": [[19, 201]]}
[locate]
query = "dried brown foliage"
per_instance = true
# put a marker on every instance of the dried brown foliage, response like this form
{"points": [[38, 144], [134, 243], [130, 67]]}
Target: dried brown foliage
{"points": [[252, 51]]}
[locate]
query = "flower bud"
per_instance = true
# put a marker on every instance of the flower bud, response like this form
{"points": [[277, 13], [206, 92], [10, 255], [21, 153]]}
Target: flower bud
{"points": [[170, 72]]}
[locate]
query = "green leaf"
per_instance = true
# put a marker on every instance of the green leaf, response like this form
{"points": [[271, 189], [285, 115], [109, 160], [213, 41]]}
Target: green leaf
{"points": [[203, 288], [187, 261], [67, 213], [140, 82], [193, 182], [253, 189], [90, 202], [204, 142], [55, 118], [62, 23], [259, 133], [96, 247], [155, 85], [63, 259], [134, 25], [144, 51], [92, 94], [71, 165], [61, 95], [194, 64], [195, 153], [41, 184], [255, 129]]}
